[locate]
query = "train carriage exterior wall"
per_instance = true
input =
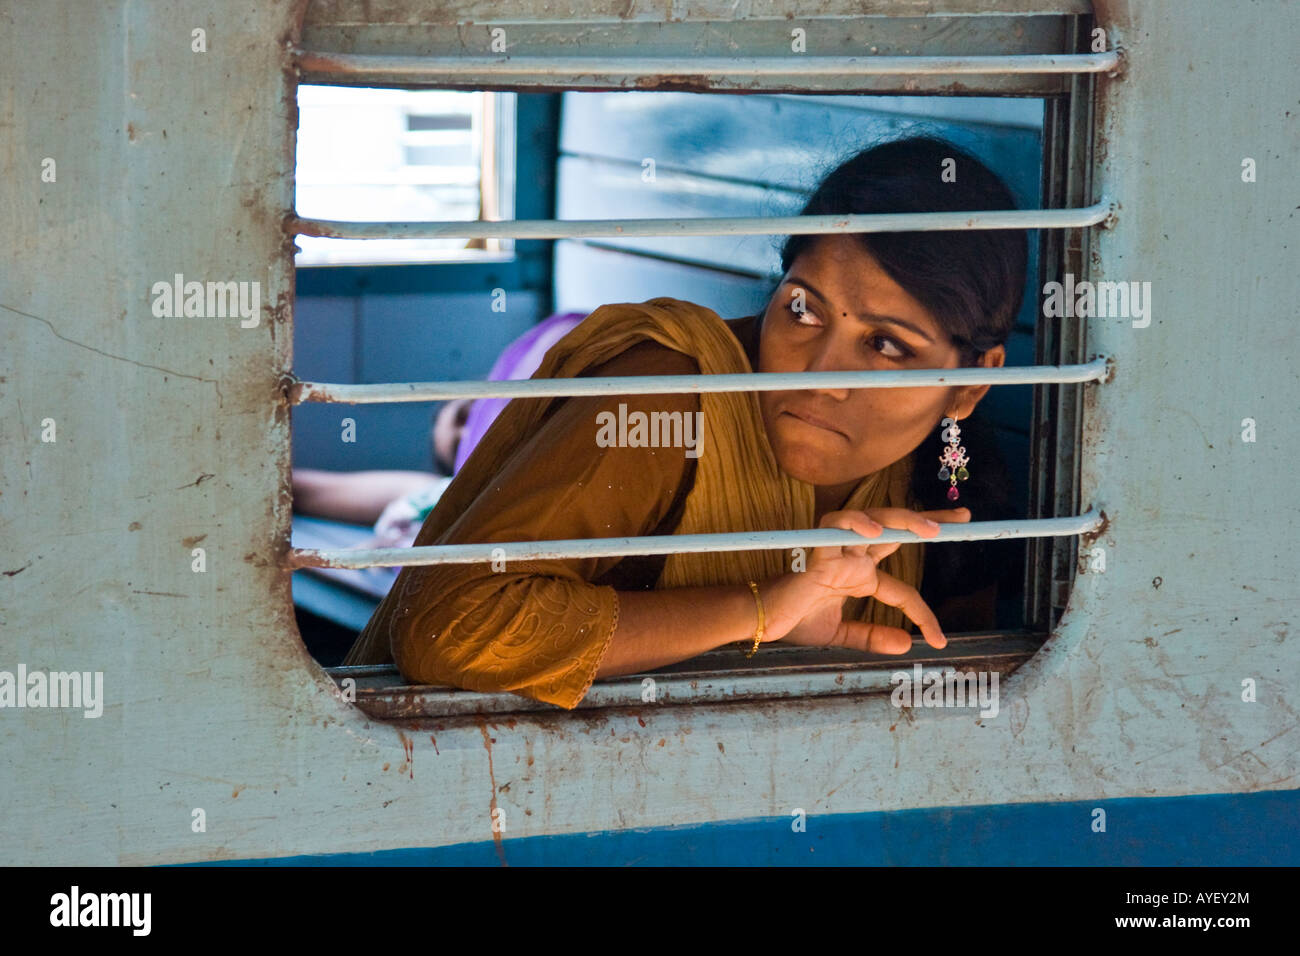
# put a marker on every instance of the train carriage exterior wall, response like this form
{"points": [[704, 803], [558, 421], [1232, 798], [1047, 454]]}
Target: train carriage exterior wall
{"points": [[172, 434]]}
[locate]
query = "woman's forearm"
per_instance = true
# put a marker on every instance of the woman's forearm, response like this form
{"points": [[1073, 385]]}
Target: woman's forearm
{"points": [[355, 496], [662, 627]]}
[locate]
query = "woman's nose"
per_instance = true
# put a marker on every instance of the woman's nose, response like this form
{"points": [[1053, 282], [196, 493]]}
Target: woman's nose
{"points": [[823, 357]]}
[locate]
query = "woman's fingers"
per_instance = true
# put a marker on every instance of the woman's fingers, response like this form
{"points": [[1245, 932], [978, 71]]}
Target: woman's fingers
{"points": [[869, 524], [891, 591], [922, 523], [856, 521], [959, 515], [864, 524], [885, 639], [875, 638]]}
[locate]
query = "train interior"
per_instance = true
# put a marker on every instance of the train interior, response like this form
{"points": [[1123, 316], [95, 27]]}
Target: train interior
{"points": [[393, 310]]}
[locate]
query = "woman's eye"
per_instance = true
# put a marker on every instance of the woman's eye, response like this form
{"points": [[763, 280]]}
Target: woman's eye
{"points": [[893, 349], [897, 353], [799, 315]]}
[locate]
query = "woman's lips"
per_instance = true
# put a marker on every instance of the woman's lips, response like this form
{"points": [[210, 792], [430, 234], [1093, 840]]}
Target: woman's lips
{"points": [[809, 419]]}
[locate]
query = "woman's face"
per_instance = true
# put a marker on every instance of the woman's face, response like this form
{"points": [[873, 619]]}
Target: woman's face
{"points": [[855, 317], [448, 427]]}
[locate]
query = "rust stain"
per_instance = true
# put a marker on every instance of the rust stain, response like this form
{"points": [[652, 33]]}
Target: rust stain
{"points": [[237, 791], [434, 740], [192, 541], [1091, 537], [408, 745], [288, 41], [282, 314], [492, 805], [293, 389], [695, 84]]}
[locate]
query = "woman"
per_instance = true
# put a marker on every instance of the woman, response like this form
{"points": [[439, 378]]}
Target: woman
{"points": [[824, 457]]}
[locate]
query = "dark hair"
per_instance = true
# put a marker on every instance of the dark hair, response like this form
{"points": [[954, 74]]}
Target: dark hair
{"points": [[971, 281]]}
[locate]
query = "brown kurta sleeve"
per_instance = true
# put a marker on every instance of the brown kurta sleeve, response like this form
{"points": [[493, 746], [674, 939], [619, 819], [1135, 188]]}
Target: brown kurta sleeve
{"points": [[540, 628]]}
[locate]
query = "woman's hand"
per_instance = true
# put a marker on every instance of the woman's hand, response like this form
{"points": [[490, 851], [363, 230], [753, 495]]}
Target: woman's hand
{"points": [[836, 574]]}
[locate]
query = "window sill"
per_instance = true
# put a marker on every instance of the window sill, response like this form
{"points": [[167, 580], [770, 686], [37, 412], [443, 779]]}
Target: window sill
{"points": [[721, 675]]}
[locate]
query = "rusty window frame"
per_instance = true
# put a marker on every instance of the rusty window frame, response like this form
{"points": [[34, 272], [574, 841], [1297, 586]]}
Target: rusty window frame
{"points": [[797, 672]]}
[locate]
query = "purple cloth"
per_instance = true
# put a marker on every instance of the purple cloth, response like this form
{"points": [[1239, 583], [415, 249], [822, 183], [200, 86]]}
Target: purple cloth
{"points": [[520, 360]]}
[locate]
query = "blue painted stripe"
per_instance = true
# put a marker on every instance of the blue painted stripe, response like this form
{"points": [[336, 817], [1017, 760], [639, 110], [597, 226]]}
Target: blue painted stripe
{"points": [[1252, 829]]}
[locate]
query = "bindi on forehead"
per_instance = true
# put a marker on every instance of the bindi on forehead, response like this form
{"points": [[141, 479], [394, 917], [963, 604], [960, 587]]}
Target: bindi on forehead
{"points": [[843, 270]]}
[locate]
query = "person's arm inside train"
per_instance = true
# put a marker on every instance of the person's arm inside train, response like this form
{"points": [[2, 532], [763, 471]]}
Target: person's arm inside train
{"points": [[358, 497]]}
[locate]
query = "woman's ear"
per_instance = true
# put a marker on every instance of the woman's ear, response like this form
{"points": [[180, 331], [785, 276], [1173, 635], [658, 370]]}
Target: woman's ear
{"points": [[969, 395]]}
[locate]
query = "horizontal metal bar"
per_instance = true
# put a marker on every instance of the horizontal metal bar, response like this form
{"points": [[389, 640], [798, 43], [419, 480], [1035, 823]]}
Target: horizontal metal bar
{"points": [[679, 544], [1101, 212], [663, 29], [575, 70], [425, 18], [299, 392]]}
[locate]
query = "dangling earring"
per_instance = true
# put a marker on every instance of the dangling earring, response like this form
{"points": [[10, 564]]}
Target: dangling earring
{"points": [[953, 460]]}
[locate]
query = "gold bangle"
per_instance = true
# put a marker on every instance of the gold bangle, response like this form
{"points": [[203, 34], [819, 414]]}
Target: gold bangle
{"points": [[762, 620]]}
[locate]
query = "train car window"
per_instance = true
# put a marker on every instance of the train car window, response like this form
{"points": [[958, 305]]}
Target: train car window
{"points": [[386, 359], [403, 155]]}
